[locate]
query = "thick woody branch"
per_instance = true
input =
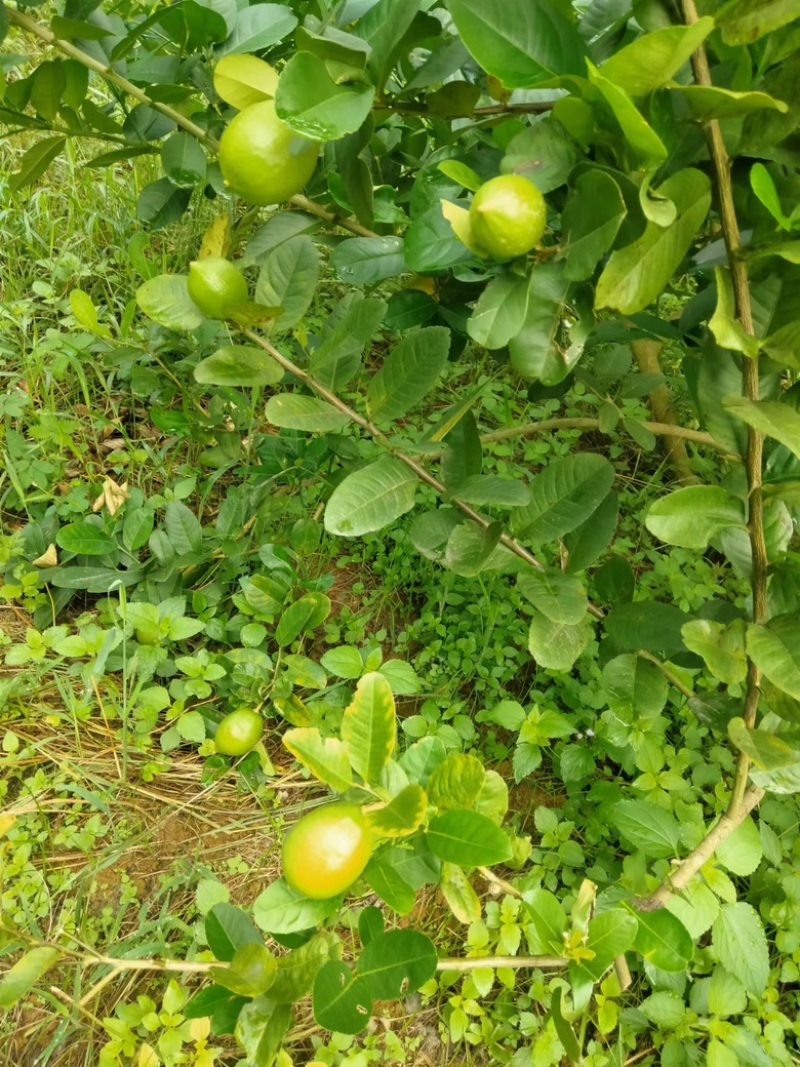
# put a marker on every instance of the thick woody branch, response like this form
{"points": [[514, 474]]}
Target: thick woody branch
{"points": [[697, 859]]}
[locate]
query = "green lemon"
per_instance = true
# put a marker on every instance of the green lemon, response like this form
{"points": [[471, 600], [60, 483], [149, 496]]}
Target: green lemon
{"points": [[239, 732], [262, 160], [327, 851], [508, 216], [216, 286]]}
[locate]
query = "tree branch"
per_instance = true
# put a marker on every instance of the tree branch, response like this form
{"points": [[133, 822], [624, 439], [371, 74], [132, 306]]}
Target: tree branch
{"points": [[697, 859], [743, 799], [530, 429], [646, 354], [755, 440]]}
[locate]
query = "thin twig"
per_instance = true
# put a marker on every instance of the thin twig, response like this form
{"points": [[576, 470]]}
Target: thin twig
{"points": [[552, 963], [531, 429]]}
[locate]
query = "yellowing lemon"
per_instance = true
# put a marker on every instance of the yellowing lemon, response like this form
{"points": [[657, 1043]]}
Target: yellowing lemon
{"points": [[327, 851], [262, 160], [507, 216]]}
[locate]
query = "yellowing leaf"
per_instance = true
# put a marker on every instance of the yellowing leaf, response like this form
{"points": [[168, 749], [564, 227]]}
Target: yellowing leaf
{"points": [[242, 80], [217, 238]]}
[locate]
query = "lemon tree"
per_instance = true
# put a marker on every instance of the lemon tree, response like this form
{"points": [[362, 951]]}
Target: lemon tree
{"points": [[594, 204]]}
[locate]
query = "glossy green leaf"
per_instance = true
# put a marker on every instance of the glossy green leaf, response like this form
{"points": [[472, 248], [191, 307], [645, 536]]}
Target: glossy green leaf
{"points": [[648, 828], [301, 617], [564, 495], [183, 160], [85, 539], [316, 106], [711, 102], [368, 260], [348, 330], [727, 330], [722, 647], [741, 852], [261, 1028], [238, 365], [587, 542], [664, 941], [259, 27], [500, 311], [297, 971], [20, 979], [543, 152], [690, 517], [242, 80], [36, 161], [610, 935], [561, 597], [402, 815], [637, 132], [459, 895], [745, 21], [250, 972], [590, 223], [457, 782], [467, 839], [282, 910], [535, 349], [655, 58], [326, 758], [371, 498], [648, 625], [769, 417], [409, 373], [165, 299], [739, 941], [556, 646], [288, 280], [520, 45], [396, 874], [775, 649], [369, 727], [229, 929], [294, 411], [491, 490], [635, 688], [636, 275]]}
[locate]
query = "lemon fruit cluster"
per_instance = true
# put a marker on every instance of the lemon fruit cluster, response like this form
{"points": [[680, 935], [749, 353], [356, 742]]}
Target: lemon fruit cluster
{"points": [[507, 217], [262, 160], [327, 851], [216, 286]]}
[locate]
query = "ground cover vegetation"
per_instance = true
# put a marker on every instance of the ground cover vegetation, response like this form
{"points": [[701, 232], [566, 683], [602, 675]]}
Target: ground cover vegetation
{"points": [[399, 615]]}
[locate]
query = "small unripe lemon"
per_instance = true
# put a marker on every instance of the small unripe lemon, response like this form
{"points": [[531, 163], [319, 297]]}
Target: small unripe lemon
{"points": [[262, 160], [327, 851], [507, 216], [239, 732], [216, 286]]}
